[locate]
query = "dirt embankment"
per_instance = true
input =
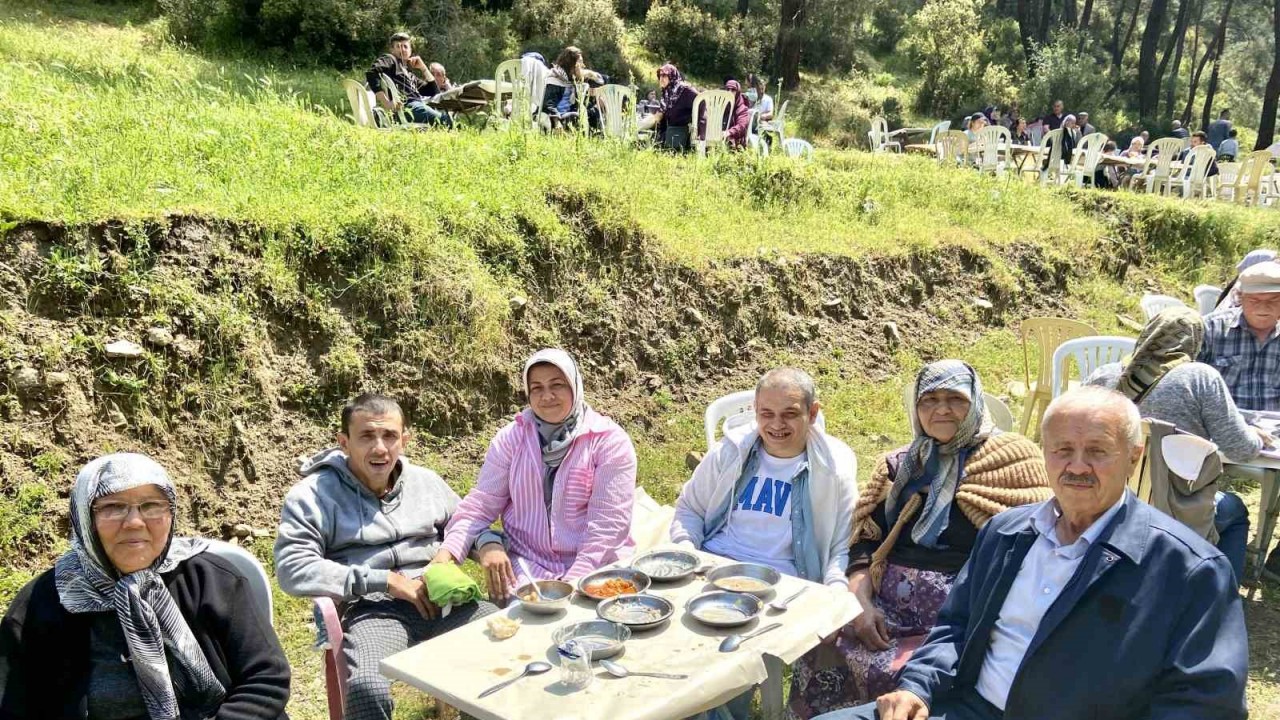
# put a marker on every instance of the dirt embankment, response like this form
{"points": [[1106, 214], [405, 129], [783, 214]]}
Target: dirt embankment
{"points": [[215, 348]]}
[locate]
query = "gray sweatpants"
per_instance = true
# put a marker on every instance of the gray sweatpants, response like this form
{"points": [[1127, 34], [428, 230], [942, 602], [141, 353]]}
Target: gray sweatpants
{"points": [[377, 626]]}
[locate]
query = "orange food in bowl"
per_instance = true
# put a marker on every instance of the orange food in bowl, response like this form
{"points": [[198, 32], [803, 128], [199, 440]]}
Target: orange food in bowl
{"points": [[611, 587]]}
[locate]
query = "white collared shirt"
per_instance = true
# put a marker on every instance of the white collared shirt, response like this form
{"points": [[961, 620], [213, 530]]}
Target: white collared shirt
{"points": [[1046, 570]]}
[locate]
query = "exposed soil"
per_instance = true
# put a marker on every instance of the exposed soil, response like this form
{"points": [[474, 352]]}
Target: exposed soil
{"points": [[228, 406]]}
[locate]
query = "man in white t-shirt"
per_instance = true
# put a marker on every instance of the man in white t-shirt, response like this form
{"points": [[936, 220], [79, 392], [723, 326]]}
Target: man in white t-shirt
{"points": [[778, 491]]}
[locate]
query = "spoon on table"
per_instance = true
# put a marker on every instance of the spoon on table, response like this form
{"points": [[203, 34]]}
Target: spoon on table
{"points": [[618, 671], [781, 605], [732, 642], [533, 668]]}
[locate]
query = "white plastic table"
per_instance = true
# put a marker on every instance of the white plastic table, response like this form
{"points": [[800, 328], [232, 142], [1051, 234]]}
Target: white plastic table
{"points": [[458, 666], [1268, 508]]}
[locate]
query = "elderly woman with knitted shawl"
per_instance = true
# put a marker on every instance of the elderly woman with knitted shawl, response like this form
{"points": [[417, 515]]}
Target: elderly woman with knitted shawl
{"points": [[913, 527]]}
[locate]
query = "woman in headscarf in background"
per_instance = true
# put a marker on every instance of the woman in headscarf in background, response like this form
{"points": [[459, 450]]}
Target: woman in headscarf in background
{"points": [[738, 124], [1166, 383], [562, 478], [134, 623], [675, 110], [913, 527]]}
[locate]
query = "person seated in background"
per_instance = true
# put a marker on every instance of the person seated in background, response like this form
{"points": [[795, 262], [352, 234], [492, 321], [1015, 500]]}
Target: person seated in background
{"points": [[1067, 140], [1019, 133], [1136, 149], [135, 622], [778, 491], [974, 125], [1230, 295], [1199, 138], [1146, 138], [1090, 605], [913, 528], [1167, 384], [560, 98], [1107, 177], [675, 110], [764, 101], [1229, 149], [562, 479], [1241, 343], [414, 91], [1082, 119], [1176, 130], [649, 105], [440, 77], [1053, 120], [360, 528], [738, 123]]}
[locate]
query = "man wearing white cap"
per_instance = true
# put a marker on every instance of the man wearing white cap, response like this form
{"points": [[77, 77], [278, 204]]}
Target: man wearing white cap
{"points": [[1229, 298], [1242, 342]]}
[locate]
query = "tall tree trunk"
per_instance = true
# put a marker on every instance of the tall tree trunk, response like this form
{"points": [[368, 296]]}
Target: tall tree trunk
{"points": [[1148, 78], [1114, 45], [1219, 41], [744, 6], [1178, 40], [790, 44], [1025, 31], [1069, 17], [1197, 65], [1270, 96], [1085, 16], [1046, 14]]}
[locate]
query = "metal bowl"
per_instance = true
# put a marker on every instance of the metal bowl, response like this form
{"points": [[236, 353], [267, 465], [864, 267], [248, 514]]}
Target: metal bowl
{"points": [[635, 577], [719, 608], [667, 565], [601, 638], [556, 596], [638, 612], [739, 577]]}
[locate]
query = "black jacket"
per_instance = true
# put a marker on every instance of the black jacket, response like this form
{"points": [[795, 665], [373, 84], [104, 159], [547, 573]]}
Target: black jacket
{"points": [[44, 650]]}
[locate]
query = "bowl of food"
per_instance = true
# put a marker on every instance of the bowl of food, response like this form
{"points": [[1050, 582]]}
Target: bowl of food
{"points": [[719, 608], [666, 565], [601, 638], [555, 596], [758, 580], [611, 582], [638, 612]]}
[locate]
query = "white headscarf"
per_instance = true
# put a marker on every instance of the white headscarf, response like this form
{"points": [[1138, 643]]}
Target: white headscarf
{"points": [[557, 438], [154, 629]]}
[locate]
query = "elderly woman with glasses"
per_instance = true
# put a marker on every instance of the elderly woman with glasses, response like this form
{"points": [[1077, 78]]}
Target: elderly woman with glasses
{"points": [[133, 623], [913, 527]]}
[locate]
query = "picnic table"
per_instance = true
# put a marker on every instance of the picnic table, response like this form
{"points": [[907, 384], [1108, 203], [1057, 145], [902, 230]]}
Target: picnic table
{"points": [[469, 97], [457, 666], [1266, 465]]}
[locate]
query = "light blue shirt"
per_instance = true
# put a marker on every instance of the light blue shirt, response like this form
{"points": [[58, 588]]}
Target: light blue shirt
{"points": [[1046, 570]]}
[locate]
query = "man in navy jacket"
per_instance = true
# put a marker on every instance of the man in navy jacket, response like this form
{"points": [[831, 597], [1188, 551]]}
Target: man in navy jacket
{"points": [[1091, 606]]}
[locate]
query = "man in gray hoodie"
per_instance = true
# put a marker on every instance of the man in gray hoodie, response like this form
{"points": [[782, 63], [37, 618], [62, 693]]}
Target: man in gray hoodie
{"points": [[360, 528]]}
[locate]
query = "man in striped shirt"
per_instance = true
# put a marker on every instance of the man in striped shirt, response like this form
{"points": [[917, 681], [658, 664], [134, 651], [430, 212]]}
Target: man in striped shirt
{"points": [[1241, 342]]}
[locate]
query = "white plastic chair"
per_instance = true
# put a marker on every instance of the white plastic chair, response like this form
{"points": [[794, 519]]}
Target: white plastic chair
{"points": [[1228, 173], [953, 148], [1194, 178], [1052, 148], [1152, 304], [879, 138], [729, 412], [362, 104], [990, 141], [1090, 353], [511, 73], [251, 569], [797, 148], [618, 103], [1001, 415], [1157, 169], [535, 81], [778, 125], [1087, 155], [1206, 298], [716, 104], [941, 127]]}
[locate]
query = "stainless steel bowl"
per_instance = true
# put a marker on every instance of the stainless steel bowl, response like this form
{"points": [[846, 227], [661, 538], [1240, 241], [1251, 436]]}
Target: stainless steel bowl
{"points": [[726, 577], [638, 612], [601, 638], [556, 593], [635, 577], [724, 609], [667, 565]]}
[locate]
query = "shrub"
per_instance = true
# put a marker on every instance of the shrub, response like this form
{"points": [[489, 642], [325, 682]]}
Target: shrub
{"points": [[549, 25], [1058, 77], [703, 45], [210, 23], [339, 32], [947, 42], [470, 43]]}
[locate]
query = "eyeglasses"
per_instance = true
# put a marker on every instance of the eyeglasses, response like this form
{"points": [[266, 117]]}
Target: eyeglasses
{"points": [[115, 512]]}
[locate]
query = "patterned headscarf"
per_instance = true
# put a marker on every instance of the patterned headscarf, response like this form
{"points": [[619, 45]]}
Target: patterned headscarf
{"points": [[974, 428], [1171, 338], [558, 437], [155, 631], [671, 93]]}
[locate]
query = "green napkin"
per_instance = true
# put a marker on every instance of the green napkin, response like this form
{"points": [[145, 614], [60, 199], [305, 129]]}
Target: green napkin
{"points": [[448, 585]]}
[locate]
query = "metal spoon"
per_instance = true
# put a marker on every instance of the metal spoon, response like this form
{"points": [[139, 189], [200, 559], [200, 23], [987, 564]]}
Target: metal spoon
{"points": [[618, 671], [781, 605], [537, 591], [732, 642], [533, 668]]}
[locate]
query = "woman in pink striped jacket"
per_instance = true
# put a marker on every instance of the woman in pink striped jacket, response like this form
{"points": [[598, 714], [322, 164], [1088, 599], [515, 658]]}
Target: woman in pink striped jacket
{"points": [[560, 476]]}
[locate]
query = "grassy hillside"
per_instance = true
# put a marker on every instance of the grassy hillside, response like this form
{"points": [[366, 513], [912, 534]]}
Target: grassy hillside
{"points": [[272, 260]]}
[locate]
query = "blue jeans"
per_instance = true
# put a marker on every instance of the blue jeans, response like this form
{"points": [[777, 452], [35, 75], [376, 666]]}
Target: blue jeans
{"points": [[424, 113], [738, 708], [1231, 518], [964, 704]]}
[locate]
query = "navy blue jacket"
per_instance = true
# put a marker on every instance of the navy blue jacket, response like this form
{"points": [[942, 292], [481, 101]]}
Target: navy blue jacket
{"points": [[1149, 628]]}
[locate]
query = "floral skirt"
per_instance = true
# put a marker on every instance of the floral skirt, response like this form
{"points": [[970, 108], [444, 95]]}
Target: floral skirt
{"points": [[910, 600]]}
